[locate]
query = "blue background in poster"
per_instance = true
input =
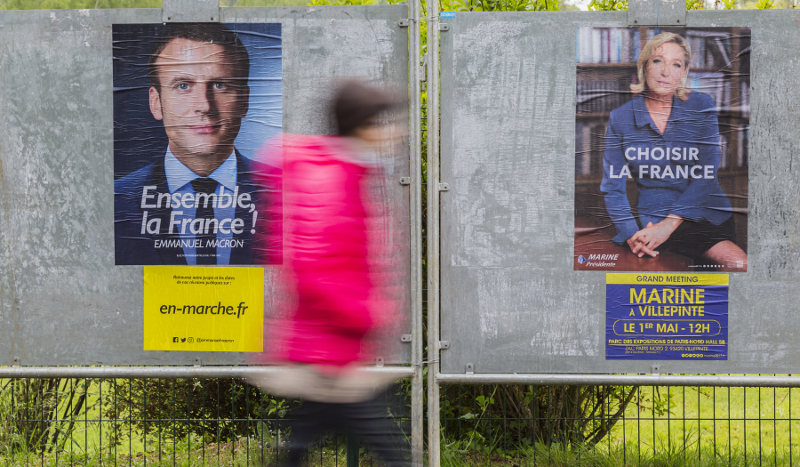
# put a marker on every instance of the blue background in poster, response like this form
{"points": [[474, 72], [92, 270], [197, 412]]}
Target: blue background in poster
{"points": [[618, 309]]}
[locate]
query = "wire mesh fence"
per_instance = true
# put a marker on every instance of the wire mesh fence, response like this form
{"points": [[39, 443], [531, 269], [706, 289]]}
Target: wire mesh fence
{"points": [[225, 422], [619, 425]]}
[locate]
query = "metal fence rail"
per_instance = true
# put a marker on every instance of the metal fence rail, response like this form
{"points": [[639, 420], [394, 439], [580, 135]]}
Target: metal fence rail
{"points": [[154, 419]]}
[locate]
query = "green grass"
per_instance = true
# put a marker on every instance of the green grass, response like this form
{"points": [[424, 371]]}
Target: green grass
{"points": [[540, 455], [229, 454], [670, 427], [667, 426], [739, 420], [245, 452]]}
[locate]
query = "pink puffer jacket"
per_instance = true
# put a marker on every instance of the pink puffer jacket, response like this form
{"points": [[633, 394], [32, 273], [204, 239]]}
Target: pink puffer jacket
{"points": [[334, 240]]}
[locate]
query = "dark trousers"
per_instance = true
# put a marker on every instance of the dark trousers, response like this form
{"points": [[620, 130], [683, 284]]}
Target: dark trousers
{"points": [[368, 421]]}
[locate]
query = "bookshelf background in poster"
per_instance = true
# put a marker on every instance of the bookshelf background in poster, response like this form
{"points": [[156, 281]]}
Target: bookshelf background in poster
{"points": [[606, 67]]}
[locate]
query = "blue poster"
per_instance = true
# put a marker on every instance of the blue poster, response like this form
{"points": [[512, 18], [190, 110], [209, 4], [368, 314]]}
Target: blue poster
{"points": [[662, 134], [666, 316], [193, 103]]}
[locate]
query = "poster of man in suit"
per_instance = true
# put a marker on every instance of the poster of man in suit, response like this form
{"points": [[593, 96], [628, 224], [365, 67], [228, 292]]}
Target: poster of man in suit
{"points": [[193, 102]]}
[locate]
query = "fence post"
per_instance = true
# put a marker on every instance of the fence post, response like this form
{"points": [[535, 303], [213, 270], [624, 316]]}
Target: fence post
{"points": [[415, 205], [352, 451], [433, 232]]}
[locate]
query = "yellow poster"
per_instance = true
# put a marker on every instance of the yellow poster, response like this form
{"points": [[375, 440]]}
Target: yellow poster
{"points": [[211, 309]]}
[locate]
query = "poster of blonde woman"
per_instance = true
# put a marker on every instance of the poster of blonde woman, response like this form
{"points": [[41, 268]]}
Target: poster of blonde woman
{"points": [[661, 149]]}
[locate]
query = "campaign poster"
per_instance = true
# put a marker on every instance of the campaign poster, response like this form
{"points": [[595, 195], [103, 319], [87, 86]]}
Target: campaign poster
{"points": [[661, 149], [193, 104], [666, 316], [211, 309]]}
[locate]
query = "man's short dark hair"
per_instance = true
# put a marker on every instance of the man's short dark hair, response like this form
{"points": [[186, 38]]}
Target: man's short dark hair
{"points": [[214, 33]]}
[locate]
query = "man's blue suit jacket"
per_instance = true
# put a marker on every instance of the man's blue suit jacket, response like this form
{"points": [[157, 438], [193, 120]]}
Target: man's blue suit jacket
{"points": [[133, 247]]}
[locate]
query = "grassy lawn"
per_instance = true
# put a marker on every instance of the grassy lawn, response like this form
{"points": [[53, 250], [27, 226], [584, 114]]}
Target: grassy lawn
{"points": [[675, 427], [668, 426], [721, 421], [182, 454]]}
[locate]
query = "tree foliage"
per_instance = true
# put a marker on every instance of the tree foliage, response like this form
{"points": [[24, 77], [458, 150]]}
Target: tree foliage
{"points": [[38, 415], [490, 418], [220, 409], [499, 5], [726, 4], [608, 5]]}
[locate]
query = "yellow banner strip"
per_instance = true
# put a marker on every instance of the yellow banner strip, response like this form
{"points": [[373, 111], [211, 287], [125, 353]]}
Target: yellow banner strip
{"points": [[643, 278]]}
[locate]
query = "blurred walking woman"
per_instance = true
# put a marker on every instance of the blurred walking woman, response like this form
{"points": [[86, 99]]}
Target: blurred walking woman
{"points": [[340, 306], [667, 139]]}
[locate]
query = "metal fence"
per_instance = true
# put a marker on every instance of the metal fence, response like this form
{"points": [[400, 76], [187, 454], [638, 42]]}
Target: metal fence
{"points": [[659, 425], [179, 421], [224, 421]]}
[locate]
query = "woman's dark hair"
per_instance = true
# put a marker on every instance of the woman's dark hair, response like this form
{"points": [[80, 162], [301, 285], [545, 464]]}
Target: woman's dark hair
{"points": [[355, 103]]}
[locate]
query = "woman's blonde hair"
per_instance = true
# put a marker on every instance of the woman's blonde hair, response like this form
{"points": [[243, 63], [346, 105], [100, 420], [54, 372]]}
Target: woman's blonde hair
{"points": [[649, 49]]}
